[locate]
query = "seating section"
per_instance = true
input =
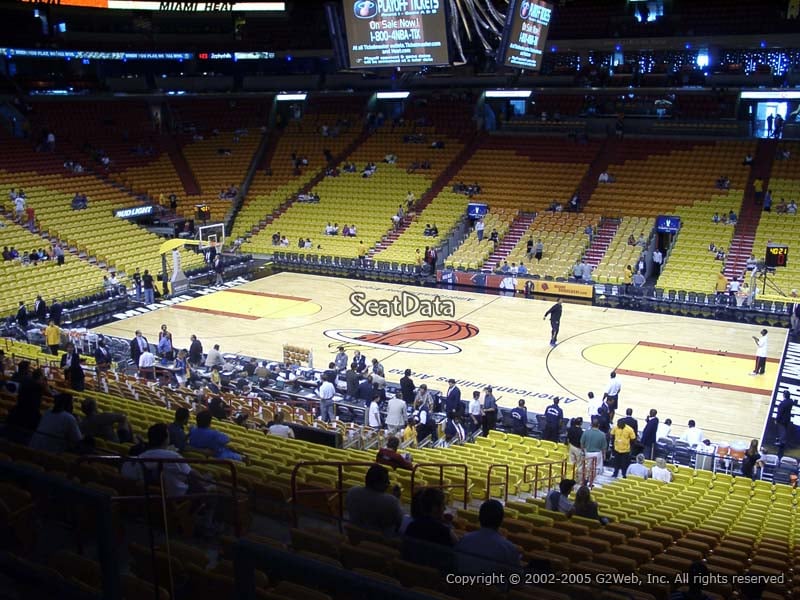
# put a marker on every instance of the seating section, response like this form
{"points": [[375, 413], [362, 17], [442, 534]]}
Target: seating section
{"points": [[473, 253], [660, 183], [563, 239], [23, 280], [781, 228], [94, 232], [278, 181], [620, 253], [691, 266]]}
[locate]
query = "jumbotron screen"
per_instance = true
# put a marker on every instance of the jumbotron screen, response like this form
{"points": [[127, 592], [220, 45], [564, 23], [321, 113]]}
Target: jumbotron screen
{"points": [[396, 33], [525, 34]]}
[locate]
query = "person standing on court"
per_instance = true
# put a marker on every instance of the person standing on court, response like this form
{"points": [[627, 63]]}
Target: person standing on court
{"points": [[137, 283], [612, 395], [452, 401], [554, 312], [761, 353], [341, 360], [407, 387], [552, 421], [649, 434], [326, 391], [149, 289], [195, 352]]}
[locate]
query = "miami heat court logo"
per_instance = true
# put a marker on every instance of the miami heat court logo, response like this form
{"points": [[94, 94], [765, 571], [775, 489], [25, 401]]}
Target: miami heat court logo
{"points": [[418, 337]]}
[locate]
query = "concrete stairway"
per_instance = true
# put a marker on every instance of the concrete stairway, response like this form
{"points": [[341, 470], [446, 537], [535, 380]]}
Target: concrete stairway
{"points": [[601, 241], [507, 243]]}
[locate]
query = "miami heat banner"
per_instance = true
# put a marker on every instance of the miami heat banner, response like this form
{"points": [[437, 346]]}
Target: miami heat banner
{"points": [[170, 6], [512, 282]]}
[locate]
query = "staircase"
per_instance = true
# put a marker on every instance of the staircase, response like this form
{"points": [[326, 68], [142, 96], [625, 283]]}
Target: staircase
{"points": [[444, 178], [182, 168], [601, 241], [512, 237], [750, 212], [606, 154]]}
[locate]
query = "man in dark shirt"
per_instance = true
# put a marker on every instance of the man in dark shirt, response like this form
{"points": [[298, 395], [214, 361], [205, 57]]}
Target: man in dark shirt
{"points": [[630, 421], [55, 311], [22, 315], [649, 434], [195, 352], [783, 421], [177, 429], [519, 419], [552, 420], [407, 387], [149, 289], [351, 377], [489, 411], [428, 532], [555, 320], [452, 402], [364, 392]]}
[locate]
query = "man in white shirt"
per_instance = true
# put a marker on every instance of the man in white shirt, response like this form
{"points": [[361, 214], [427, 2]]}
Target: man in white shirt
{"points": [[147, 360], [761, 353], [479, 227], [19, 206], [395, 415], [475, 411], [214, 357], [612, 394], [658, 259], [638, 469], [326, 391], [594, 406], [279, 429], [693, 435], [176, 475], [374, 414], [664, 429]]}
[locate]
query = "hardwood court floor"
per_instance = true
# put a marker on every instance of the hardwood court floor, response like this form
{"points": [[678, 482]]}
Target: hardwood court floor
{"points": [[686, 368]]}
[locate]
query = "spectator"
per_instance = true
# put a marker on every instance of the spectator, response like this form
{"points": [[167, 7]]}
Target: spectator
{"points": [[278, 428], [489, 411], [783, 421], [748, 160], [558, 500], [475, 412], [751, 461], [371, 507], [574, 435], [73, 372], [25, 415], [639, 469], [649, 433], [177, 429], [390, 457], [203, 437], [660, 472], [519, 419], [58, 429], [214, 357], [101, 425], [428, 525], [623, 437], [453, 429], [693, 435], [396, 414], [585, 507], [374, 412], [487, 542], [552, 421], [664, 429], [630, 421], [697, 577], [594, 445]]}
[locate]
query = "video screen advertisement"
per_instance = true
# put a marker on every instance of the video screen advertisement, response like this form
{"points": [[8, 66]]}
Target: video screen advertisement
{"points": [[396, 33], [525, 34]]}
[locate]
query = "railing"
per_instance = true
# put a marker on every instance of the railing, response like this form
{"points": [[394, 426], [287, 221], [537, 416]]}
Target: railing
{"points": [[502, 467], [555, 472], [442, 485], [317, 491]]}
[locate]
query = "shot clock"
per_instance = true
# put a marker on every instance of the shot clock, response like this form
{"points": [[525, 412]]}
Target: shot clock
{"points": [[777, 255]]}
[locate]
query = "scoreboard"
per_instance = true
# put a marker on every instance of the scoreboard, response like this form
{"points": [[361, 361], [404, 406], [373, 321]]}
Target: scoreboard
{"points": [[396, 33], [525, 34]]}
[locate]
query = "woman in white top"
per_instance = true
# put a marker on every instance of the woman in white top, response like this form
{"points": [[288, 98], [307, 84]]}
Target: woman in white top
{"points": [[660, 472]]}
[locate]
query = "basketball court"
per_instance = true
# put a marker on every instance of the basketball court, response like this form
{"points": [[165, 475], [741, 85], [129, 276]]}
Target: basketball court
{"points": [[686, 368]]}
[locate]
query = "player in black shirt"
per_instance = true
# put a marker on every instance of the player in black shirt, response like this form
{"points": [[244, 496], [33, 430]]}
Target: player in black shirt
{"points": [[555, 320]]}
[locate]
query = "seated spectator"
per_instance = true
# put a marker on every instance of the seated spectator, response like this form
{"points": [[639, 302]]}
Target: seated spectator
{"points": [[371, 507], [390, 159], [720, 254], [427, 231], [101, 425], [58, 429], [558, 500], [792, 207], [522, 269], [631, 240], [487, 542], [752, 461], [390, 457], [24, 416], [748, 160], [428, 525], [434, 231], [177, 429], [454, 430], [202, 437], [732, 218], [603, 178], [639, 469], [723, 183], [693, 435], [782, 207], [494, 236], [715, 218], [585, 507], [660, 472], [279, 428]]}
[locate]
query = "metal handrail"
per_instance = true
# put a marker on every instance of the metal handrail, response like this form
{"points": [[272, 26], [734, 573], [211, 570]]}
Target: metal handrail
{"points": [[319, 490], [161, 462], [442, 485], [507, 470], [586, 476], [562, 470]]}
